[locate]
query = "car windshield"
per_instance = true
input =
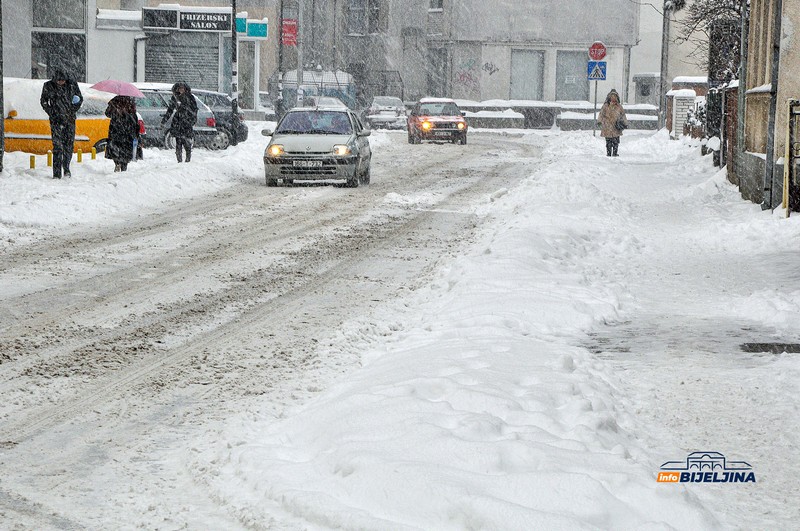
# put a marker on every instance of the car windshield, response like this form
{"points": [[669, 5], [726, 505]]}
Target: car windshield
{"points": [[384, 101], [315, 122], [439, 109]]}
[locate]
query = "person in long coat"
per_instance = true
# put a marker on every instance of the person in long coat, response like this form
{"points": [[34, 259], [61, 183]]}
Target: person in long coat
{"points": [[184, 107], [123, 131], [61, 98], [612, 122]]}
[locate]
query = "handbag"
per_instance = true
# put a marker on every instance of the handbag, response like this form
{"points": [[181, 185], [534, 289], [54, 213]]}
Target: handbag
{"points": [[620, 124]]}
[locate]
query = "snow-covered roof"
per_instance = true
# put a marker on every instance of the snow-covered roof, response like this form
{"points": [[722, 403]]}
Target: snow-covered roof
{"points": [[761, 89], [696, 80], [22, 95], [682, 93], [317, 77], [437, 100]]}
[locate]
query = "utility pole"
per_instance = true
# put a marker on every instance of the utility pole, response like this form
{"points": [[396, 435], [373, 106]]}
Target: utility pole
{"points": [[234, 63], [300, 39], [2, 124], [662, 97]]}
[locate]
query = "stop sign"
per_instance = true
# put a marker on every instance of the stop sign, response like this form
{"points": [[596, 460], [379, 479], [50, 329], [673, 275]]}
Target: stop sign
{"points": [[597, 51]]}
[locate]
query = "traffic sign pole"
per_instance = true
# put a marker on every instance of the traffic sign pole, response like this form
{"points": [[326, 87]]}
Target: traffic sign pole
{"points": [[594, 122]]}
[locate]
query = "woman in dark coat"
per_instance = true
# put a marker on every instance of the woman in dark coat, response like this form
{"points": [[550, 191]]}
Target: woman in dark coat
{"points": [[612, 121], [123, 130], [184, 107]]}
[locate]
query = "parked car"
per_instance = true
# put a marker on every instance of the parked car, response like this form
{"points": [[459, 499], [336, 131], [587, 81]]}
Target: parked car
{"points": [[267, 107], [386, 112], [27, 127], [232, 125], [153, 107], [436, 119], [318, 144]]}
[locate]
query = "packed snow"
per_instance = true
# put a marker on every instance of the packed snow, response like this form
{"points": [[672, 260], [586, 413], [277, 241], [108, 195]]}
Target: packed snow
{"points": [[542, 378]]}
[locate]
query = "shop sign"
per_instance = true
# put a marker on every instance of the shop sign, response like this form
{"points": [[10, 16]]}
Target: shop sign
{"points": [[289, 32], [204, 21]]}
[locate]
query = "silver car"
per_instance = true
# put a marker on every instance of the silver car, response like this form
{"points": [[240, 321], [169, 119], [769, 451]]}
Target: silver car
{"points": [[318, 144]]}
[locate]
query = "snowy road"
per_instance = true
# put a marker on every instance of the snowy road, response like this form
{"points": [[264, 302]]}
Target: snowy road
{"points": [[124, 339], [513, 334]]}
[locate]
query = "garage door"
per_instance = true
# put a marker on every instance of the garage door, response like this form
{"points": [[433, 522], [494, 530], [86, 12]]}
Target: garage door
{"points": [[527, 75], [572, 83], [189, 57]]}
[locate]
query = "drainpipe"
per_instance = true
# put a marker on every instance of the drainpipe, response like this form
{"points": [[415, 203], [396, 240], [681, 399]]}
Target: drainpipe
{"points": [[742, 100], [136, 41], [773, 103]]}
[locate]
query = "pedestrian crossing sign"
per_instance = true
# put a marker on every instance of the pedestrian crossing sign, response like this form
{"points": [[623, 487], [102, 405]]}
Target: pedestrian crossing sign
{"points": [[597, 70]]}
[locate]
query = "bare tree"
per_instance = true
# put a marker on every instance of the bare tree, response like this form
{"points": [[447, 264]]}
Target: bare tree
{"points": [[712, 27]]}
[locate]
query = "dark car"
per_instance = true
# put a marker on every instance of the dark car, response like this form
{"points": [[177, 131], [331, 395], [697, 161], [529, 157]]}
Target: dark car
{"points": [[153, 107], [231, 124], [436, 119], [386, 112]]}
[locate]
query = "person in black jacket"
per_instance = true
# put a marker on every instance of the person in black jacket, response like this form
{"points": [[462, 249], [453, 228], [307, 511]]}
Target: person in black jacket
{"points": [[61, 99], [123, 131], [184, 107]]}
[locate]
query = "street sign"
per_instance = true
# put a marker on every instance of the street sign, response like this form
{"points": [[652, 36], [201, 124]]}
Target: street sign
{"points": [[597, 70], [597, 51]]}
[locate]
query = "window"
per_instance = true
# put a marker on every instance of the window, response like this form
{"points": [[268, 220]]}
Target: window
{"points": [[365, 17], [59, 14], [436, 5], [53, 51]]}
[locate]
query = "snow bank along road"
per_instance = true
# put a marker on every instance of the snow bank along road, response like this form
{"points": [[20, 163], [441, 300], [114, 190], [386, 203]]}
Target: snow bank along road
{"points": [[119, 341]]}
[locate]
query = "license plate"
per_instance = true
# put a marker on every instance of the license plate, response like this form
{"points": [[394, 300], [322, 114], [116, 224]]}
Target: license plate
{"points": [[307, 163], [442, 133]]}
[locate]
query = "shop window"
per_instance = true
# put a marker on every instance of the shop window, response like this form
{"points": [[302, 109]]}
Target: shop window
{"points": [[436, 5], [59, 14], [65, 51], [365, 17]]}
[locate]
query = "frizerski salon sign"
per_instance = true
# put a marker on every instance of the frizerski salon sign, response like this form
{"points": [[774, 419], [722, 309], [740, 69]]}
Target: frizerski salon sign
{"points": [[185, 19], [205, 21]]}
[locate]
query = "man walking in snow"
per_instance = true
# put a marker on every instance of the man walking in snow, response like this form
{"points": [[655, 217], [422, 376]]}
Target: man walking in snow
{"points": [[612, 121], [184, 108], [61, 98]]}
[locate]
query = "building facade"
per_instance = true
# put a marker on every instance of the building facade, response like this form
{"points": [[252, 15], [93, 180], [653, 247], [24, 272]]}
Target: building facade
{"points": [[473, 49], [762, 148], [127, 40]]}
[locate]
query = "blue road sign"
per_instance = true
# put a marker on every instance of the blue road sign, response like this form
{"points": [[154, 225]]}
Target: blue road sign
{"points": [[597, 70]]}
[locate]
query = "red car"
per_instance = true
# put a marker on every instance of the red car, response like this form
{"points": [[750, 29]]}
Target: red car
{"points": [[437, 119]]}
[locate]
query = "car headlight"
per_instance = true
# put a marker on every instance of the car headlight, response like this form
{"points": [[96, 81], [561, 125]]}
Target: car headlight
{"points": [[341, 150], [275, 150], [461, 126], [427, 126]]}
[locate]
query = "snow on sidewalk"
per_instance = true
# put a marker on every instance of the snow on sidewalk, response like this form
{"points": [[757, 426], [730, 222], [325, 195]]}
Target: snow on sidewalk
{"points": [[482, 409]]}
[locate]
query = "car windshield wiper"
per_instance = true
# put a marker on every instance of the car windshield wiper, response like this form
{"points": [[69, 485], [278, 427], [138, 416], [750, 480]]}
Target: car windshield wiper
{"points": [[290, 132], [323, 132]]}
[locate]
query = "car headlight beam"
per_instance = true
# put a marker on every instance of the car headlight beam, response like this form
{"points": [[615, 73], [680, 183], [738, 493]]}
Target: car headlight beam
{"points": [[427, 126], [342, 150], [275, 150]]}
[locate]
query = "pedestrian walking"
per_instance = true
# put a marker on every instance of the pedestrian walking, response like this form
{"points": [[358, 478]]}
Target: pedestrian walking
{"points": [[183, 110], [123, 132], [612, 121], [61, 98]]}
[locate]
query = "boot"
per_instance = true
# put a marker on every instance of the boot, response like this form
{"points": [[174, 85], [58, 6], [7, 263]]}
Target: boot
{"points": [[117, 167]]}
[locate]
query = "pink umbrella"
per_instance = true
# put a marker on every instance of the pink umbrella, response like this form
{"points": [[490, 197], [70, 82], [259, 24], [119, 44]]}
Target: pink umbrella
{"points": [[120, 88]]}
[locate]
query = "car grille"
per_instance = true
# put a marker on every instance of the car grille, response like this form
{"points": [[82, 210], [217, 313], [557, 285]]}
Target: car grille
{"points": [[328, 166]]}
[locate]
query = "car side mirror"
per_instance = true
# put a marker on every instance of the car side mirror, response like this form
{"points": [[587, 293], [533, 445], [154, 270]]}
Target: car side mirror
{"points": [[365, 132], [464, 114], [266, 132]]}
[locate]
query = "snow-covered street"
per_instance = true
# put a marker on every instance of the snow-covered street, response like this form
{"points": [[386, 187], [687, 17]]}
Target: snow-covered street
{"points": [[513, 334]]}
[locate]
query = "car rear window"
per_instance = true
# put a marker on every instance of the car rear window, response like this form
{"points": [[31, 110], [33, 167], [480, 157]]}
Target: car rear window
{"points": [[151, 100], [316, 122], [439, 109], [387, 102]]}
